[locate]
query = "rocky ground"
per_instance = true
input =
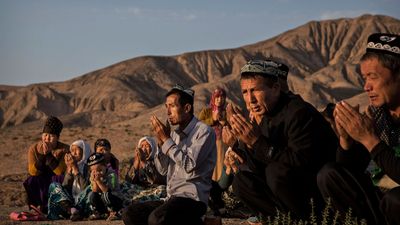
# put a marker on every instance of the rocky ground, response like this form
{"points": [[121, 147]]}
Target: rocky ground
{"points": [[12, 198]]}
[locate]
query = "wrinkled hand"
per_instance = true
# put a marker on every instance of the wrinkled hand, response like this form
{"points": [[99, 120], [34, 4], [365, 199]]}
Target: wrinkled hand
{"points": [[139, 159], [227, 136], [358, 126], [232, 161], [46, 148], [345, 140], [58, 153], [247, 132], [161, 131], [231, 110], [69, 161]]}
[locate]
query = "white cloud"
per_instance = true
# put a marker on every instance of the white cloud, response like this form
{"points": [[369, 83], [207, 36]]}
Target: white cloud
{"points": [[342, 13]]}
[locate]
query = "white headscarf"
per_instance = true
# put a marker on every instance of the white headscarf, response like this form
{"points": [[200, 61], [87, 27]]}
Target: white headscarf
{"points": [[85, 153], [152, 142]]}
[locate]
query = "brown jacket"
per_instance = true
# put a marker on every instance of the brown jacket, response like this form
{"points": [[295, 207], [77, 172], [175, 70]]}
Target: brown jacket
{"points": [[38, 163]]}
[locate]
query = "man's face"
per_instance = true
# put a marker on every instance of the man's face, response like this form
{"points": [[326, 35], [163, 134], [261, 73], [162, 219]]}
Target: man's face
{"points": [[259, 98], [175, 111], [381, 86]]}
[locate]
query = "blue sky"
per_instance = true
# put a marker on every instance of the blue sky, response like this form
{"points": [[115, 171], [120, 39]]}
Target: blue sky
{"points": [[54, 40]]}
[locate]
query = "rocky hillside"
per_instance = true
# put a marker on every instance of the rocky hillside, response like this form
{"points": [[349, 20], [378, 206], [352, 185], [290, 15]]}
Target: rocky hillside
{"points": [[322, 56]]}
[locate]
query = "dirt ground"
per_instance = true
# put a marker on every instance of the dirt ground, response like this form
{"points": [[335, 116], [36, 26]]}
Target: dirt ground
{"points": [[12, 198], [6, 210]]}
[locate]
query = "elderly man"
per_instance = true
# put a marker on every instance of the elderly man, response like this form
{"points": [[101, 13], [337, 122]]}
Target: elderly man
{"points": [[372, 136], [187, 157], [282, 147]]}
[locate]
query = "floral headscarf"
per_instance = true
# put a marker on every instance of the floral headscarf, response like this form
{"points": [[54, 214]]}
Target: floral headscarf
{"points": [[217, 93]]}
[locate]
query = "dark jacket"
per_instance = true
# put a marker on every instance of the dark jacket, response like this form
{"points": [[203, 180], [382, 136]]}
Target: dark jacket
{"points": [[294, 134]]}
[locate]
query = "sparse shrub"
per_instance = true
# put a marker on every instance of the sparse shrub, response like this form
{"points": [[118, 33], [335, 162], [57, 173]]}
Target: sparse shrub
{"points": [[325, 217]]}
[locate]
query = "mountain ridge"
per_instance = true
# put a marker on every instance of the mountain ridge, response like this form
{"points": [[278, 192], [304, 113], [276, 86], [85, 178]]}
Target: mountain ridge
{"points": [[322, 56]]}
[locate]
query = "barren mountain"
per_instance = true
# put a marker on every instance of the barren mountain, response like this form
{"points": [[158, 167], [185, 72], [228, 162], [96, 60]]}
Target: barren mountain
{"points": [[322, 56], [116, 101]]}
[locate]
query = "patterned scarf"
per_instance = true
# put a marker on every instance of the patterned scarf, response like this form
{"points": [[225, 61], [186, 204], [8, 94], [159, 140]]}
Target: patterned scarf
{"points": [[219, 92], [387, 132]]}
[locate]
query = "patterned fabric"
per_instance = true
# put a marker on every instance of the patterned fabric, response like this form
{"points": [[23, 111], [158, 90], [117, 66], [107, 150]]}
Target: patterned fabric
{"points": [[267, 67], [387, 132], [384, 43], [37, 189], [136, 193], [59, 202]]}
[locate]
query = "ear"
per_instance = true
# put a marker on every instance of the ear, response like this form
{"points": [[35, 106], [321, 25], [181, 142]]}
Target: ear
{"points": [[187, 108], [276, 86]]}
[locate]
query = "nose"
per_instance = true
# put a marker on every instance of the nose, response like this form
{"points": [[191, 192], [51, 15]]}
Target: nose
{"points": [[367, 87], [252, 98], [46, 138]]}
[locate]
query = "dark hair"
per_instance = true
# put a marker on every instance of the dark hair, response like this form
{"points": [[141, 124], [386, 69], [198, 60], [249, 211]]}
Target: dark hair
{"points": [[183, 98], [390, 62], [269, 80], [102, 142]]}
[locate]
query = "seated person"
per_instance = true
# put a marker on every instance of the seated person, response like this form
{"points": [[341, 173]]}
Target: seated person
{"points": [[369, 151], [104, 199], [215, 116], [187, 158], [63, 197], [142, 169], [280, 149], [103, 146], [45, 164]]}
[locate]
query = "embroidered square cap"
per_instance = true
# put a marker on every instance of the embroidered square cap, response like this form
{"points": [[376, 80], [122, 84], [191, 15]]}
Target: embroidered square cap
{"points": [[384, 43], [182, 89], [267, 67]]}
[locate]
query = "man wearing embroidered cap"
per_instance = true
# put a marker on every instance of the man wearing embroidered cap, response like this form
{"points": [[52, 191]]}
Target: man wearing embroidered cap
{"points": [[370, 142], [284, 146], [187, 157]]}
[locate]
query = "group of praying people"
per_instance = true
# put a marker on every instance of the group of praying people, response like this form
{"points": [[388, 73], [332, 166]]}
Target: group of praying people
{"points": [[278, 156]]}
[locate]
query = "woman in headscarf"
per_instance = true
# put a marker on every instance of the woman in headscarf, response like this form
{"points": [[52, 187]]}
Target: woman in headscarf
{"points": [[45, 164], [142, 170], [63, 198], [215, 116]]}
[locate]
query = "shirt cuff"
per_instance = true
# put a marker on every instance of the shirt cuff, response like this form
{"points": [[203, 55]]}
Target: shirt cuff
{"points": [[167, 145], [378, 149]]}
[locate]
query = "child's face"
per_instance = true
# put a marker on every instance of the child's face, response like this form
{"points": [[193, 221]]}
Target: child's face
{"points": [[76, 153], [98, 169], [103, 150]]}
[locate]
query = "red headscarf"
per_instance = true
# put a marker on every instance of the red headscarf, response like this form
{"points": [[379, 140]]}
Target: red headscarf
{"points": [[217, 93]]}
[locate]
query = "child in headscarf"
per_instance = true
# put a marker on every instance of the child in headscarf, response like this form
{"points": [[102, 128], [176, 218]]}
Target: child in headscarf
{"points": [[63, 198], [142, 170]]}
